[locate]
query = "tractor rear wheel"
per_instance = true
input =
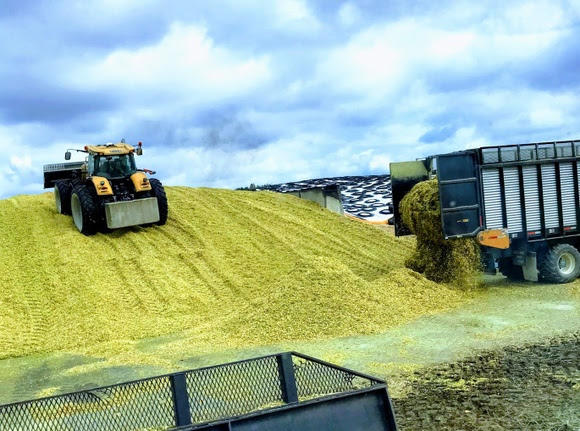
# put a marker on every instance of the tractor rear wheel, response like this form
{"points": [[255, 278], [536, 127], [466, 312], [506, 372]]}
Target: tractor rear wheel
{"points": [[159, 193], [84, 210], [62, 192], [561, 264]]}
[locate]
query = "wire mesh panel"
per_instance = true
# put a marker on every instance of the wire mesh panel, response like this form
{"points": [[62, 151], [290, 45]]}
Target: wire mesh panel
{"points": [[490, 155], [509, 154], [314, 379], [193, 397], [564, 149], [233, 389], [528, 152], [546, 151], [147, 404]]}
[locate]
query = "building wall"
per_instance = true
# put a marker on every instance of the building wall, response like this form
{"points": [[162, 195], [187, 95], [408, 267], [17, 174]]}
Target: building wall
{"points": [[325, 198]]}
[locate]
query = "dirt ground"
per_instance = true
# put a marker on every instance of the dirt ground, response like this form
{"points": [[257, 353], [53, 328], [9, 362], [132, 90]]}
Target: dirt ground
{"points": [[535, 387]]}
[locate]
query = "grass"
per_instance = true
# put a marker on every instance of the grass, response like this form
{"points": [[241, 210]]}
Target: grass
{"points": [[232, 268]]}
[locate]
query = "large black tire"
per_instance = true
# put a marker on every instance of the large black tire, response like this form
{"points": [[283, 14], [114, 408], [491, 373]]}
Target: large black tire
{"points": [[511, 271], [561, 264], [62, 192], [159, 193], [84, 210]]}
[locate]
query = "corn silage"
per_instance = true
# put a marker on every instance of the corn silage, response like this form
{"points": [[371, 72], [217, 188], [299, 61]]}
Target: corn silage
{"points": [[230, 268], [444, 261]]}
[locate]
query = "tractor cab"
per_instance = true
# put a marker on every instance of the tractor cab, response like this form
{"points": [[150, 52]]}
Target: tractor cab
{"points": [[111, 166], [110, 161]]}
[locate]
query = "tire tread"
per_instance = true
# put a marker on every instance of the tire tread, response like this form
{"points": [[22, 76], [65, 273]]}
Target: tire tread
{"points": [[88, 208], [159, 193], [548, 266], [65, 190]]}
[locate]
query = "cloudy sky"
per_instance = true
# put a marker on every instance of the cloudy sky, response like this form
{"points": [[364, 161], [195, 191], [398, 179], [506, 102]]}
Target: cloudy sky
{"points": [[225, 93]]}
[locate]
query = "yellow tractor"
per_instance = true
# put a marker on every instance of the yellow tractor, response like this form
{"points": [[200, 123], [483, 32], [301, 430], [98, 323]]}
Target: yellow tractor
{"points": [[107, 191]]}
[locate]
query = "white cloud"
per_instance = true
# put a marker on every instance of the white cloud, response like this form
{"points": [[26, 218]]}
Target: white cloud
{"points": [[290, 159], [186, 65], [119, 6], [546, 117], [369, 65], [387, 60], [379, 162], [295, 15], [446, 46], [21, 163], [349, 14], [533, 16], [467, 137], [292, 10]]}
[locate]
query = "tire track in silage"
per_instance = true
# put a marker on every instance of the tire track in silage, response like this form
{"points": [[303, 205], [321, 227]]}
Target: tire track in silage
{"points": [[166, 246], [284, 252], [32, 307], [145, 286], [265, 236], [357, 235], [210, 225], [184, 225], [126, 291], [235, 265], [314, 240], [32, 278], [284, 223], [200, 274]]}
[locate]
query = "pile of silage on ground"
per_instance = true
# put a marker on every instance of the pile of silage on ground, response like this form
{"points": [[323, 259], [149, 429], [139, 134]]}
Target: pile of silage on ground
{"points": [[444, 261], [324, 293], [229, 268]]}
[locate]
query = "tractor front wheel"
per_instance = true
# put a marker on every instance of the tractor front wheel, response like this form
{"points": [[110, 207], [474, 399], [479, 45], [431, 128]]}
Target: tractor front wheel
{"points": [[159, 193], [84, 210]]}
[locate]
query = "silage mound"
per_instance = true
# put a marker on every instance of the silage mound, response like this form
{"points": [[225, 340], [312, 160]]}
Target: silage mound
{"points": [[233, 268], [444, 261], [322, 294]]}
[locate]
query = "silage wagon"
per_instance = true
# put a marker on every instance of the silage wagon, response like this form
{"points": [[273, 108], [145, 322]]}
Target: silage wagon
{"points": [[520, 202]]}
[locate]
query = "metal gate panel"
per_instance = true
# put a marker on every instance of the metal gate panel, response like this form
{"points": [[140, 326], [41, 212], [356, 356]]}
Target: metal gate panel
{"points": [[567, 194], [550, 195], [492, 199], [513, 201], [287, 391], [532, 198]]}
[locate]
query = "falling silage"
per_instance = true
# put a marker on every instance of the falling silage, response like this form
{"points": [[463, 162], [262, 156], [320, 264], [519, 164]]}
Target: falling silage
{"points": [[454, 261]]}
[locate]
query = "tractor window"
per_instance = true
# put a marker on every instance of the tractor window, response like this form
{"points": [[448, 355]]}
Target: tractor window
{"points": [[115, 166]]}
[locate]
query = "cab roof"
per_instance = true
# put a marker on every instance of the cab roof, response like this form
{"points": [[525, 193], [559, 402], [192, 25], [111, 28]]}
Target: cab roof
{"points": [[110, 149]]}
